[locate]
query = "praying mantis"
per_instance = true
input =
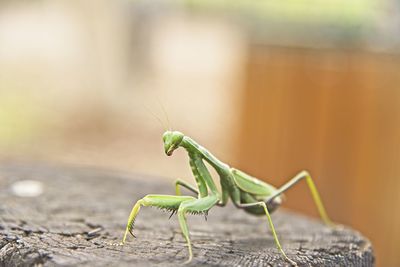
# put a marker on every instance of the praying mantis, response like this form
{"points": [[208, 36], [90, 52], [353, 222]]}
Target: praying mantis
{"points": [[246, 192]]}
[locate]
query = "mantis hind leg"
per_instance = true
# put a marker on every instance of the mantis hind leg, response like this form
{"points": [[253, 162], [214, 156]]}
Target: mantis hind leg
{"points": [[197, 206], [161, 201], [314, 193]]}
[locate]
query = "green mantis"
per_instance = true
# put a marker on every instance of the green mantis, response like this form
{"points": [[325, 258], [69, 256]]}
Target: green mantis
{"points": [[246, 192]]}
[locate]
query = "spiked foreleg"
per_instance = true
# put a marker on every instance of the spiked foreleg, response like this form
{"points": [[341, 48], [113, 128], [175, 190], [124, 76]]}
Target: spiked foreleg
{"points": [[167, 202], [201, 183], [199, 167], [197, 206]]}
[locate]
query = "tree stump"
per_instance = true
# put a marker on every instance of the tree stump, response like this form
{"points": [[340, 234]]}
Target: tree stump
{"points": [[82, 212]]}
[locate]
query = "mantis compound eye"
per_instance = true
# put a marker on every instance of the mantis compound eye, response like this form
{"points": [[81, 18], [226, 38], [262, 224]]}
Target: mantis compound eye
{"points": [[166, 136]]}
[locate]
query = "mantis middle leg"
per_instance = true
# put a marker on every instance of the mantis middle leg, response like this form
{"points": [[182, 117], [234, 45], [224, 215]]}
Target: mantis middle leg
{"points": [[179, 182], [314, 193], [271, 226], [160, 201]]}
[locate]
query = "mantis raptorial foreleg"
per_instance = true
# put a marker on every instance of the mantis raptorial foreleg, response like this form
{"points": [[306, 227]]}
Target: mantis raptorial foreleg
{"points": [[314, 192], [204, 179], [201, 205], [179, 183], [161, 201], [271, 225]]}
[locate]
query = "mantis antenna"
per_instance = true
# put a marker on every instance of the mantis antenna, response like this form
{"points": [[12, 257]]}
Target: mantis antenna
{"points": [[156, 117], [165, 113]]}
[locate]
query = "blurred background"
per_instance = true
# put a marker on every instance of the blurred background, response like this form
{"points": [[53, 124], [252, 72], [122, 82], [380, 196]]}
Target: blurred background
{"points": [[271, 87]]}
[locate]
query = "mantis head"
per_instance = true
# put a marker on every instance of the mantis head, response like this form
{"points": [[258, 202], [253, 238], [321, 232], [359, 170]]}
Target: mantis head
{"points": [[172, 140]]}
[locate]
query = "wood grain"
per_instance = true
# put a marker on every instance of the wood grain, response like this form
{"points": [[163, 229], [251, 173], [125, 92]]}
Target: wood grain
{"points": [[82, 213]]}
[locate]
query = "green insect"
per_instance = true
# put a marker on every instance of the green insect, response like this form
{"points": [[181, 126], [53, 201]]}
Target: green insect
{"points": [[246, 192]]}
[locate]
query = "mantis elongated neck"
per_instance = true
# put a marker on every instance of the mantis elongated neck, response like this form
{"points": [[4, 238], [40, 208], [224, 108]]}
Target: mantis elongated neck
{"points": [[192, 147]]}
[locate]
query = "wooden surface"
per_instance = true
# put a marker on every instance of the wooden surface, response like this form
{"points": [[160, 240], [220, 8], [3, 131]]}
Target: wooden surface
{"points": [[83, 211]]}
